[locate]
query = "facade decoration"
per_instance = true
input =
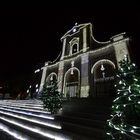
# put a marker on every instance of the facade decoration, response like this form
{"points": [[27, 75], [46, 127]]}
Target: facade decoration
{"points": [[86, 66]]}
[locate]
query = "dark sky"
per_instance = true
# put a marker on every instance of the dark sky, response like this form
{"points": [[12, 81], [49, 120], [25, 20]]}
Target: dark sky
{"points": [[31, 36]]}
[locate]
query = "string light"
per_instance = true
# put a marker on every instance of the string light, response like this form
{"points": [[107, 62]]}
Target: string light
{"points": [[122, 108], [120, 82]]}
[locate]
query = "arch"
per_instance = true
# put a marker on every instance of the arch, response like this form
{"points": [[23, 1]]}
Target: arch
{"points": [[52, 75], [103, 77], [107, 61], [74, 74]]}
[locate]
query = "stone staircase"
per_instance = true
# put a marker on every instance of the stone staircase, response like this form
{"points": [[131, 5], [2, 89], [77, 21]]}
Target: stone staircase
{"points": [[27, 120], [86, 117], [81, 119]]}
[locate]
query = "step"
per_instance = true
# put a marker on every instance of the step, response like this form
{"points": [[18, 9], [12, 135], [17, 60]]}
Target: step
{"points": [[43, 111], [83, 115], [32, 129], [39, 132], [87, 101], [6, 133], [81, 121], [22, 128], [94, 133], [22, 106], [88, 110], [44, 121], [22, 102]]}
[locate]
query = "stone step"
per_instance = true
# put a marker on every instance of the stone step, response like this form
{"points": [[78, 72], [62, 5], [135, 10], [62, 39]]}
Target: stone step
{"points": [[23, 102], [81, 121], [89, 110], [38, 113], [92, 132], [7, 133], [35, 130], [23, 106], [48, 121], [83, 115], [32, 133], [91, 101]]}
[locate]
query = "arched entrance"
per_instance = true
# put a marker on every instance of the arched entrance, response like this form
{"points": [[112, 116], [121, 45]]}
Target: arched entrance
{"points": [[51, 79], [72, 83], [103, 78]]}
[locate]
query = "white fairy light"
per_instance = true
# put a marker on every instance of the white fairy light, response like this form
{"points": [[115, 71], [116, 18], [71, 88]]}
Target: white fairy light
{"points": [[129, 98], [108, 133], [116, 99], [38, 70], [11, 132], [129, 89], [133, 64], [74, 30], [30, 114], [135, 79], [43, 133], [37, 90], [32, 120], [117, 107], [120, 82], [134, 127], [132, 131], [23, 110]]}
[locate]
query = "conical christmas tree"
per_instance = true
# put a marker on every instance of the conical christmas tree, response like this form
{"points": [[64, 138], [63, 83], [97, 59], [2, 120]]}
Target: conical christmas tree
{"points": [[52, 98], [125, 117]]}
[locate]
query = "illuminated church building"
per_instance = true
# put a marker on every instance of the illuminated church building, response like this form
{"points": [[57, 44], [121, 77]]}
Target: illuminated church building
{"points": [[86, 66]]}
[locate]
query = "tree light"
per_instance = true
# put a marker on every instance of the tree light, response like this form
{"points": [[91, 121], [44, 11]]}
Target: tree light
{"points": [[132, 130], [120, 82]]}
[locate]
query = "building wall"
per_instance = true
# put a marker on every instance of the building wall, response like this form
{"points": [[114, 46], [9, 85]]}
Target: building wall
{"points": [[87, 69]]}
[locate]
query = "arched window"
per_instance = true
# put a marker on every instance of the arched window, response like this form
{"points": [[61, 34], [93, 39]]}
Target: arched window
{"points": [[51, 79], [74, 48], [74, 45]]}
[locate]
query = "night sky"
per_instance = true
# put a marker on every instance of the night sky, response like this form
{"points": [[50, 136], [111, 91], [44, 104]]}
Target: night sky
{"points": [[31, 36]]}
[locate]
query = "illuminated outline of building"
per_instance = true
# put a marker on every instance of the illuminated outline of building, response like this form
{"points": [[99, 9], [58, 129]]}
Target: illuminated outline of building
{"points": [[85, 66]]}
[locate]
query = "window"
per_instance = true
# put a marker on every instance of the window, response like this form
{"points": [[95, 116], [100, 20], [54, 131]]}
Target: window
{"points": [[74, 45], [74, 48]]}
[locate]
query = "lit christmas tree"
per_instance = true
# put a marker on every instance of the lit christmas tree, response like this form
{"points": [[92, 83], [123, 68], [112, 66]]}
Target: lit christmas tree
{"points": [[52, 98], [124, 123]]}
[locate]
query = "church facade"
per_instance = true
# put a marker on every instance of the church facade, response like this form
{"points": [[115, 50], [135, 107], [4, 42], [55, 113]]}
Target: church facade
{"points": [[86, 66]]}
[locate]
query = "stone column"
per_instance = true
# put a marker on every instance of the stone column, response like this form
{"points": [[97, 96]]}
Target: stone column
{"points": [[84, 39], [60, 76], [63, 49], [43, 77], [84, 75]]}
